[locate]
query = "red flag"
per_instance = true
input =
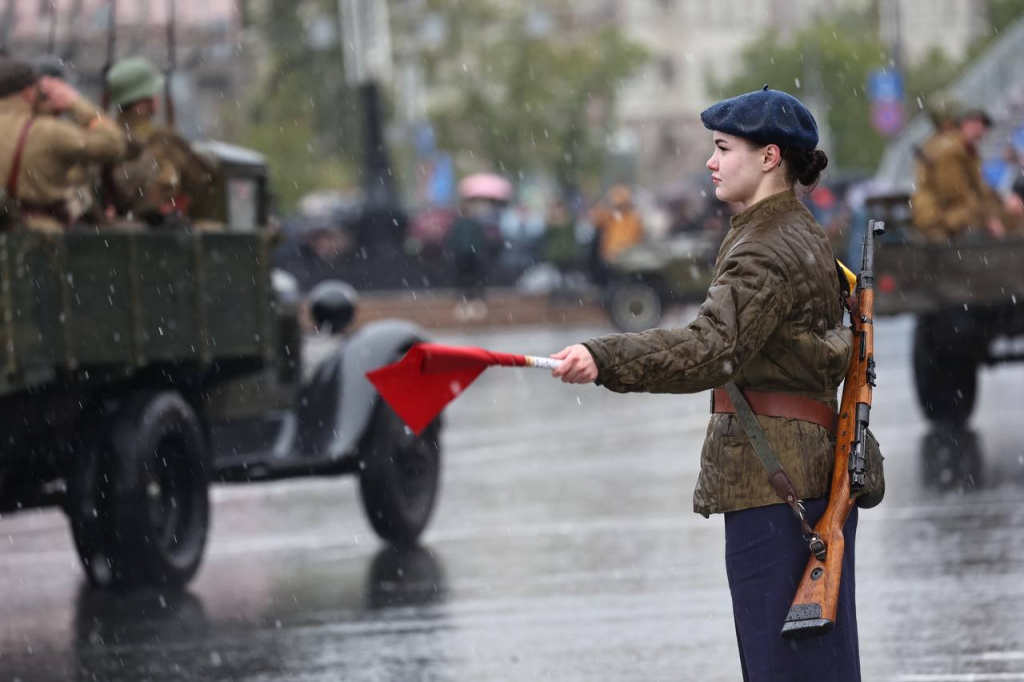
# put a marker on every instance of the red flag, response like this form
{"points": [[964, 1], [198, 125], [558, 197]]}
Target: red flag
{"points": [[431, 375]]}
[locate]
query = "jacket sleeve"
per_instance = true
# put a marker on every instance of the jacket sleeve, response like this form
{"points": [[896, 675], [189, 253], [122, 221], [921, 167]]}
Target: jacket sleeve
{"points": [[745, 304], [92, 137]]}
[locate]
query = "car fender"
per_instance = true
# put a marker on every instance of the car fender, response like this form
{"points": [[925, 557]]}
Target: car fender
{"points": [[375, 345]]}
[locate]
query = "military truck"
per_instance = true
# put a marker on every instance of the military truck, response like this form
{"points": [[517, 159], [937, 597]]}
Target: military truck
{"points": [[647, 279], [967, 297], [140, 366]]}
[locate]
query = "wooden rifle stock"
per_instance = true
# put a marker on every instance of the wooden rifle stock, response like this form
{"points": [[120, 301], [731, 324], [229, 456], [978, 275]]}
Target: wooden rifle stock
{"points": [[172, 64], [813, 611]]}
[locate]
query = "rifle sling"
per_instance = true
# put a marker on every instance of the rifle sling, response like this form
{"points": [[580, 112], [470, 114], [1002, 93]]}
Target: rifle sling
{"points": [[769, 460]]}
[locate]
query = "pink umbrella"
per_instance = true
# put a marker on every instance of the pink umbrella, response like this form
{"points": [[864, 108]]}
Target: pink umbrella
{"points": [[485, 186]]}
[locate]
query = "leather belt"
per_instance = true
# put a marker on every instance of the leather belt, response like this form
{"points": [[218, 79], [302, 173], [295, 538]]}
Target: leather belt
{"points": [[769, 404]]}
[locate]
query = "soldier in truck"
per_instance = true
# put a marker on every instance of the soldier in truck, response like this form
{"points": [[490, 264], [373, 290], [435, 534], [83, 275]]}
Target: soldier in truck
{"points": [[52, 132], [952, 199]]}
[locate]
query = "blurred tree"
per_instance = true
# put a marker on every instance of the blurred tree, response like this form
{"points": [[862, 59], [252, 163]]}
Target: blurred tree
{"points": [[843, 55], [1002, 13], [844, 49], [519, 89], [302, 114]]}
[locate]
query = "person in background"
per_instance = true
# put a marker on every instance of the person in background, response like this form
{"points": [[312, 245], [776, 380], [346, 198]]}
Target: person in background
{"points": [[468, 245], [51, 132], [161, 175], [952, 199], [618, 227], [560, 245]]}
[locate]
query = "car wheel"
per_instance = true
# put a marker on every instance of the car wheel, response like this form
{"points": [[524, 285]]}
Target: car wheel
{"points": [[399, 476], [946, 382], [635, 306], [138, 496]]}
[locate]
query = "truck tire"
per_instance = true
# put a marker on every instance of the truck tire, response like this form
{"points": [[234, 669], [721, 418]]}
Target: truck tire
{"points": [[399, 476], [635, 306], [946, 382], [139, 494]]}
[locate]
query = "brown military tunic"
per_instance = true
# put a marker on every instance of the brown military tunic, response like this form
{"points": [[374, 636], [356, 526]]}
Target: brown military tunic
{"points": [[772, 321], [56, 150], [160, 169], [951, 195]]}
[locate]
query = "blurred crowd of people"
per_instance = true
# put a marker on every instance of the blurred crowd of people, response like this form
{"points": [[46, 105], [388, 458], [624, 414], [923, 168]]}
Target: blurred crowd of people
{"points": [[569, 245]]}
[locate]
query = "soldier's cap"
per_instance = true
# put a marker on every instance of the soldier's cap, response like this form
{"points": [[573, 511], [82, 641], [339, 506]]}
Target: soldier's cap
{"points": [[133, 79], [764, 116], [15, 76], [976, 114]]}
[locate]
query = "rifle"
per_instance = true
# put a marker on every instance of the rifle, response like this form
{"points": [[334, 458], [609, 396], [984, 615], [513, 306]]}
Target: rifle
{"points": [[172, 58], [51, 39], [813, 611], [7, 22], [111, 51]]}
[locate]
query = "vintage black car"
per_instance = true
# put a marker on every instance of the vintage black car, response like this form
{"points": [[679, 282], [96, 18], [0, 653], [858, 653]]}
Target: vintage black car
{"points": [[140, 366]]}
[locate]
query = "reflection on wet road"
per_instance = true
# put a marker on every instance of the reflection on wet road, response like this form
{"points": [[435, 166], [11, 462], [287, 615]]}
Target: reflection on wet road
{"points": [[563, 548]]}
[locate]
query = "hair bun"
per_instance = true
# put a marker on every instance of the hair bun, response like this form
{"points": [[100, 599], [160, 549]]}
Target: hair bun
{"points": [[816, 162]]}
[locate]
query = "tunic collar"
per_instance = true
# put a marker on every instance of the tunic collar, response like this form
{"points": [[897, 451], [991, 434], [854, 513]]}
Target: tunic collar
{"points": [[783, 202]]}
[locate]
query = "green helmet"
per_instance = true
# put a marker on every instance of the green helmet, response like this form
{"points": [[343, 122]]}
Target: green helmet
{"points": [[133, 79]]}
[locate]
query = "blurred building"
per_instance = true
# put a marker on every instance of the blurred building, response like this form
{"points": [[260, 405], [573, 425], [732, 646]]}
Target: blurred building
{"points": [[694, 43], [213, 64]]}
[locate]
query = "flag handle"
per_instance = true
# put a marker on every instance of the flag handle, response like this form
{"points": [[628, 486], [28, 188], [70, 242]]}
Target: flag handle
{"points": [[541, 363]]}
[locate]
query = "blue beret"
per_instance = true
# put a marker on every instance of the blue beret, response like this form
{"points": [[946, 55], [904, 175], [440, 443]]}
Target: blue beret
{"points": [[766, 116]]}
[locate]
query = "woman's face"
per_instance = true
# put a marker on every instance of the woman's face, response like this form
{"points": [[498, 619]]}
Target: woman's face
{"points": [[736, 168]]}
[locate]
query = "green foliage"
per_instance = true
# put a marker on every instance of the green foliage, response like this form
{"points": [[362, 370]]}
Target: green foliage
{"points": [[929, 76], [833, 60], [838, 56], [516, 100], [303, 117], [1002, 13]]}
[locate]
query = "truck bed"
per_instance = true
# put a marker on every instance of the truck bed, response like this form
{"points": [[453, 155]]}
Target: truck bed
{"points": [[119, 301], [916, 276]]}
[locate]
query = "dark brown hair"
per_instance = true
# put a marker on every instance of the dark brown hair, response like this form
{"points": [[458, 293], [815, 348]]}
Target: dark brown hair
{"points": [[804, 165]]}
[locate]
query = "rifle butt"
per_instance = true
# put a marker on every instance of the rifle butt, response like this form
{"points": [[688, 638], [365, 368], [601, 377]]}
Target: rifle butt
{"points": [[813, 611]]}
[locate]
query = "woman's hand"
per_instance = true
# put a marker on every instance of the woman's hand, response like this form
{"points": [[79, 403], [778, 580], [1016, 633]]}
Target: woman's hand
{"points": [[578, 366]]}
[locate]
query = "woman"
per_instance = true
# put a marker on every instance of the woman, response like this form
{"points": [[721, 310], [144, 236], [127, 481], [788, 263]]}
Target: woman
{"points": [[772, 323]]}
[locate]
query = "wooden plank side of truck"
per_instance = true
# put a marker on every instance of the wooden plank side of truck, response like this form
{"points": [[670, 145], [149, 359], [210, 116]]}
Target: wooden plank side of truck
{"points": [[119, 303]]}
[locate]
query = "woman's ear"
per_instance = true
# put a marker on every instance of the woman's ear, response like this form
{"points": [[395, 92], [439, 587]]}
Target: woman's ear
{"points": [[771, 156]]}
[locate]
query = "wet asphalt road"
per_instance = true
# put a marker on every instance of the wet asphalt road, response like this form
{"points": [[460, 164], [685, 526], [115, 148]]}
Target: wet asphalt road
{"points": [[563, 548]]}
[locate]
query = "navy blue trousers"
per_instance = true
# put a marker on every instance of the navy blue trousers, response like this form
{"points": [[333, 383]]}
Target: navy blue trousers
{"points": [[765, 557]]}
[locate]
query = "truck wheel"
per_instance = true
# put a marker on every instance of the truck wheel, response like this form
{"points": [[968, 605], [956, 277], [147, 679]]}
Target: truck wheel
{"points": [[138, 498], [399, 476], [946, 383], [635, 306]]}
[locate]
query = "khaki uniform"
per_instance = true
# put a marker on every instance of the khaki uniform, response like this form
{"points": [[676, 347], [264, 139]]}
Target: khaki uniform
{"points": [[159, 171], [56, 150], [951, 194], [772, 321]]}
